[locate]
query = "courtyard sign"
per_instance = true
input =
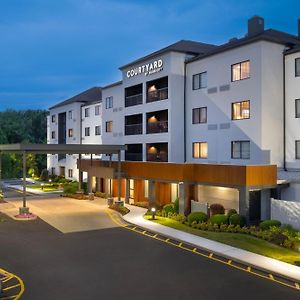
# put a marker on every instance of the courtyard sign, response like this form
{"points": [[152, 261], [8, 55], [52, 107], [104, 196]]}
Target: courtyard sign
{"points": [[147, 69]]}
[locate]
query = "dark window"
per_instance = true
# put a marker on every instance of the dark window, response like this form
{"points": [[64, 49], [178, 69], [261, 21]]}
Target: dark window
{"points": [[240, 110], [87, 112], [97, 110], [297, 108], [240, 149], [134, 95], [240, 71], [200, 81], [134, 152], [97, 130], [297, 67], [87, 131], [70, 132], [199, 115], [297, 150], [53, 118], [70, 115], [53, 134], [70, 173], [109, 102]]}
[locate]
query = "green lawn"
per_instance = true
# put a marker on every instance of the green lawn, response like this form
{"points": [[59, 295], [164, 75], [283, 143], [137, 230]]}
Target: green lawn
{"points": [[46, 188], [238, 240]]}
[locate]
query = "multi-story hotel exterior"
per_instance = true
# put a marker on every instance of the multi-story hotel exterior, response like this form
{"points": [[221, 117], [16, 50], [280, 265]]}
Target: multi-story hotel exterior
{"points": [[201, 122]]}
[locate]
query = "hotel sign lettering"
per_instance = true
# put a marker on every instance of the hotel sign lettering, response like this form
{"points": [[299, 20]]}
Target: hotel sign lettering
{"points": [[147, 69]]}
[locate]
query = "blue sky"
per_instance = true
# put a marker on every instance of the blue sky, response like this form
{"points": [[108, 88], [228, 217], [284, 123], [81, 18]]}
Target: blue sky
{"points": [[51, 50]]}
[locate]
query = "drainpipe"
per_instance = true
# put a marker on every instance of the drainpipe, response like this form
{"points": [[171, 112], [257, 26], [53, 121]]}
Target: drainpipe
{"points": [[284, 116], [184, 113]]}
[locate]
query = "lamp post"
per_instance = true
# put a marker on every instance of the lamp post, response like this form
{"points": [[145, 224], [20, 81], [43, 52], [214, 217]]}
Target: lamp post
{"points": [[153, 210]]}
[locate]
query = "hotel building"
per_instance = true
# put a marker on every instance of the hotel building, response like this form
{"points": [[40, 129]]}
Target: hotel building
{"points": [[203, 123]]}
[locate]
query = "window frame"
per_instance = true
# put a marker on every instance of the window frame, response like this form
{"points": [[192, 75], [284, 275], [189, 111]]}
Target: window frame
{"points": [[240, 152], [53, 134], [70, 132], [200, 81], [193, 150], [53, 118], [109, 102], [297, 113], [87, 112], [199, 108], [240, 63], [70, 173], [97, 110], [96, 132], [297, 74], [107, 124], [296, 147], [232, 104], [70, 115], [87, 130]]}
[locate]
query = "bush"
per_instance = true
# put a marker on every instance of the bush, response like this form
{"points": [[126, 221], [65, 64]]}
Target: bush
{"points": [[100, 195], [236, 219], [169, 208], [197, 216], [71, 188], [278, 238], [218, 219], [265, 225], [121, 209], [44, 175], [143, 204], [176, 206], [231, 212], [217, 209]]}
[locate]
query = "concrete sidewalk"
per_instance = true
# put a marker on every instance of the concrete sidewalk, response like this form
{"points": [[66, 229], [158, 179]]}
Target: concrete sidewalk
{"points": [[135, 216]]}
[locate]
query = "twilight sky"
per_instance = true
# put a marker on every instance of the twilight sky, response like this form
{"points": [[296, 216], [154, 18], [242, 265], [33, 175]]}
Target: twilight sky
{"points": [[51, 50]]}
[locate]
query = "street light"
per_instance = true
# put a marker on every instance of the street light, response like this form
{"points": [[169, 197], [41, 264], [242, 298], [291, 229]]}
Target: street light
{"points": [[153, 213]]}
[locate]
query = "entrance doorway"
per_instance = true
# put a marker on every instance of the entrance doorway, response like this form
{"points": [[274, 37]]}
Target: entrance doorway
{"points": [[254, 207]]}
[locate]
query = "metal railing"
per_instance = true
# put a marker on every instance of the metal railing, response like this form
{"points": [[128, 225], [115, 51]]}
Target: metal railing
{"points": [[134, 100], [157, 127], [159, 94], [133, 156], [157, 157], [133, 129]]}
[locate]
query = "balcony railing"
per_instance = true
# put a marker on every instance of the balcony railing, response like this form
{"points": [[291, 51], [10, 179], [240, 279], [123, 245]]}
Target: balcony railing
{"points": [[133, 129], [159, 94], [157, 157], [133, 100], [133, 156], [157, 127]]}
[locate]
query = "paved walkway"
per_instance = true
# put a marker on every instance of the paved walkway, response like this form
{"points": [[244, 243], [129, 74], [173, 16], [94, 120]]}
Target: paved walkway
{"points": [[135, 216], [65, 214]]}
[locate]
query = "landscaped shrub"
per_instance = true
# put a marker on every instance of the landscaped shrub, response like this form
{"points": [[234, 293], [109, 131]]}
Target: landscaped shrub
{"points": [[278, 238], [218, 219], [169, 208], [121, 209], [216, 209], [100, 195], [231, 212], [264, 225], [44, 175], [236, 219], [144, 204], [176, 206], [197, 216], [71, 188]]}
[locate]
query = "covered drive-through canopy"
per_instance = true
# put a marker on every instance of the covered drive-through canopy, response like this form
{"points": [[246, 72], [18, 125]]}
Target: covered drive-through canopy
{"points": [[60, 149]]}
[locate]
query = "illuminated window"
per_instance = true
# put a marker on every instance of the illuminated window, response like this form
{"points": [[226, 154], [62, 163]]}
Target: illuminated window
{"points": [[97, 130], [240, 71], [297, 67], [87, 131], [240, 149], [109, 126], [240, 110], [97, 110], [87, 112], [199, 115], [109, 102], [297, 149], [200, 150], [199, 81], [70, 132], [146, 188], [70, 172]]}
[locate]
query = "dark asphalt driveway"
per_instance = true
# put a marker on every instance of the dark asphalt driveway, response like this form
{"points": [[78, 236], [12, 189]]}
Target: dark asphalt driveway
{"points": [[119, 264]]}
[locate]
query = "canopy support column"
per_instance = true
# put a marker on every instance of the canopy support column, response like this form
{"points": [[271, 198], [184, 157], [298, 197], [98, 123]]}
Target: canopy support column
{"points": [[24, 210], [119, 175]]}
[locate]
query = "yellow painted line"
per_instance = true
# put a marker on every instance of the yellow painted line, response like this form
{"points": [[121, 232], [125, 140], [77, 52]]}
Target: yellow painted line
{"points": [[7, 279], [11, 287], [210, 256], [195, 250], [9, 297], [20, 285], [144, 231]]}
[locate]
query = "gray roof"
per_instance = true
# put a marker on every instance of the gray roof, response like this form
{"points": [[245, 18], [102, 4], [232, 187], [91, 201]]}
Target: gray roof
{"points": [[270, 35], [91, 95], [183, 46], [112, 84]]}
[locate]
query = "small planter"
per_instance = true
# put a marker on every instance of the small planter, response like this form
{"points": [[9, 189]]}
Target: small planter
{"points": [[91, 196], [110, 201], [119, 203]]}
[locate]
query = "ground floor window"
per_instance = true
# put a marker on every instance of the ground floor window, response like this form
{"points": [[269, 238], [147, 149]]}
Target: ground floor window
{"points": [[240, 149], [70, 173], [146, 189]]}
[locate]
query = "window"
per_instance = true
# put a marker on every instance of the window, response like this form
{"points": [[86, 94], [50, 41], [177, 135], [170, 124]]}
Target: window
{"points": [[87, 112], [109, 102], [199, 115], [87, 131], [199, 81], [70, 114], [70, 173], [240, 71], [53, 134], [240, 149], [297, 67], [200, 150], [297, 108], [70, 132], [297, 149], [52, 171], [240, 110], [109, 126], [146, 190], [97, 110], [53, 118], [97, 130]]}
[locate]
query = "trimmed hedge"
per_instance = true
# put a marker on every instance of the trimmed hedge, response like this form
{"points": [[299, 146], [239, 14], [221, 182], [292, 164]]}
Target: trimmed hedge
{"points": [[216, 209], [71, 188], [265, 225], [176, 206], [197, 216], [236, 219], [169, 208], [218, 219], [231, 212]]}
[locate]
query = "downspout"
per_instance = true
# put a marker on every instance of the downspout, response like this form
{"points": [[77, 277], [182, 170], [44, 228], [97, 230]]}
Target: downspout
{"points": [[184, 113], [284, 116]]}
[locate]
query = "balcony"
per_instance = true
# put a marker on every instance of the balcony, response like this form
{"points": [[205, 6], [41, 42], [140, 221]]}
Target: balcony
{"points": [[157, 121], [157, 90], [134, 95], [157, 152], [134, 152], [133, 129], [134, 156]]}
